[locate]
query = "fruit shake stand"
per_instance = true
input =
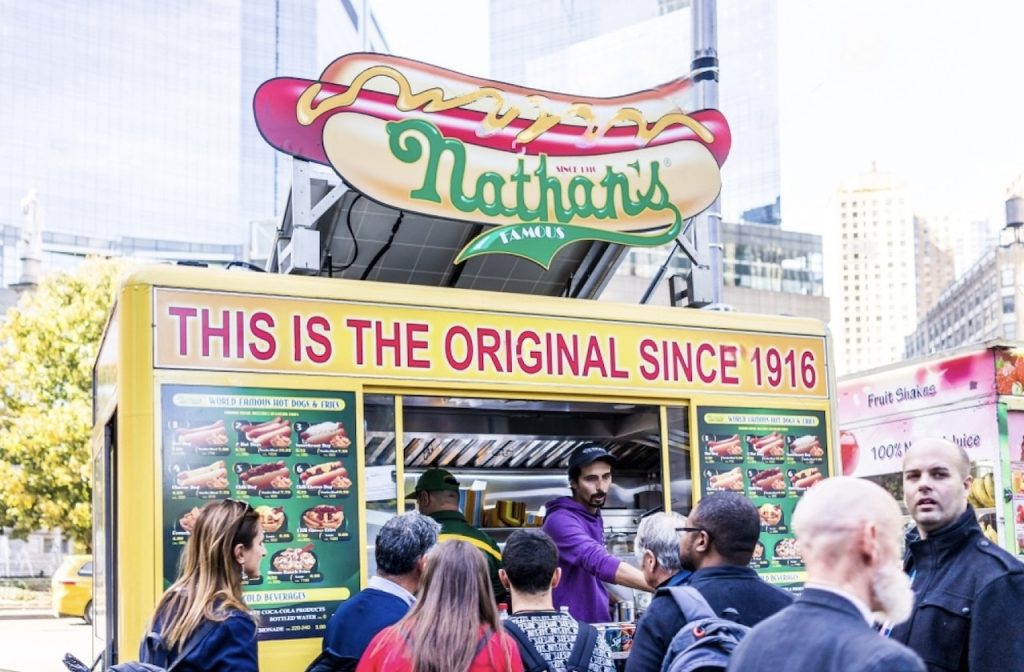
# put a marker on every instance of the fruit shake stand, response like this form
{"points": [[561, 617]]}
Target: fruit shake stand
{"points": [[973, 397]]}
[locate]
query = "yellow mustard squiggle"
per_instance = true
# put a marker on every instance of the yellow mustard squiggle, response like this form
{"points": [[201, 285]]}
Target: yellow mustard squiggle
{"points": [[433, 100]]}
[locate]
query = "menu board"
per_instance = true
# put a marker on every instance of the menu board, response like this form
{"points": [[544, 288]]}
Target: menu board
{"points": [[772, 457], [291, 455]]}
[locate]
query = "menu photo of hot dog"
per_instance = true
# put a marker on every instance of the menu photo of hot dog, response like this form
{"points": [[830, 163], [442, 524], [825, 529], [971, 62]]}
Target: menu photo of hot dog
{"points": [[768, 447], [801, 479], [723, 448], [328, 480], [272, 438], [731, 480], [767, 482], [270, 480], [207, 481], [327, 439], [807, 447], [202, 439]]}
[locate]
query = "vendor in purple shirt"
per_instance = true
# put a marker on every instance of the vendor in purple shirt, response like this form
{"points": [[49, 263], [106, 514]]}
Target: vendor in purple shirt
{"points": [[575, 524]]}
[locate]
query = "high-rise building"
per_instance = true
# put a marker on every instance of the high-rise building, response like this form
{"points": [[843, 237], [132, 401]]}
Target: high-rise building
{"points": [[133, 121], [971, 310], [766, 270], [986, 302], [877, 306], [612, 48], [935, 264]]}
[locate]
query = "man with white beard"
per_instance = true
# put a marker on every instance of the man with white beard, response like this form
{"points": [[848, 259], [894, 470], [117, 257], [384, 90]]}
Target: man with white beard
{"points": [[848, 531], [969, 591]]}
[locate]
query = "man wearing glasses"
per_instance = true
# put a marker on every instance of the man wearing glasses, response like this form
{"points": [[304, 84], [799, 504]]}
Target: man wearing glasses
{"points": [[716, 544], [717, 547]]}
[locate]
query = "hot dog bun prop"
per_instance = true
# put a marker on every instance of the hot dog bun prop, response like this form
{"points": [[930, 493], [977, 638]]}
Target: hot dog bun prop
{"points": [[626, 170]]}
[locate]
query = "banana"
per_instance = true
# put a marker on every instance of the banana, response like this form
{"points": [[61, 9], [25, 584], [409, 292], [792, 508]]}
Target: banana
{"points": [[977, 493], [990, 487], [990, 533]]}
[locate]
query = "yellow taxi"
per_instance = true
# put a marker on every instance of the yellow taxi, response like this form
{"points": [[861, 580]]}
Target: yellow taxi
{"points": [[71, 587]]}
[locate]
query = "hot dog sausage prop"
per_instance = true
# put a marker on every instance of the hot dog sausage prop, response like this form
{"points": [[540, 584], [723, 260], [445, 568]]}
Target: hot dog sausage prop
{"points": [[626, 170]]}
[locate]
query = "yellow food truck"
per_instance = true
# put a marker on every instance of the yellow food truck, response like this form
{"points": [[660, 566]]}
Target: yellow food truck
{"points": [[319, 401]]}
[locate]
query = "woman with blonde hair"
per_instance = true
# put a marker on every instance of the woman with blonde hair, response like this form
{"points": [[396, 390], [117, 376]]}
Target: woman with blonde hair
{"points": [[201, 622], [453, 627]]}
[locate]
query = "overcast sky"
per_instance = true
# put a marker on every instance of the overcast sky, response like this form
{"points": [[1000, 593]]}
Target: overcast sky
{"points": [[929, 89]]}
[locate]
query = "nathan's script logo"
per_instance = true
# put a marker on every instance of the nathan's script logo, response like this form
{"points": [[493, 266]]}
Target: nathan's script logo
{"points": [[544, 169]]}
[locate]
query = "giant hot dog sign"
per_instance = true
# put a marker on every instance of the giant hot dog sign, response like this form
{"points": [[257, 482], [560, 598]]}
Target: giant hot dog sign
{"points": [[544, 169]]}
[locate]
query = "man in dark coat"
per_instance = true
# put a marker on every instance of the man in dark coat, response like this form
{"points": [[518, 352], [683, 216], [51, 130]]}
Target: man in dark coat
{"points": [[717, 544], [969, 592], [849, 534]]}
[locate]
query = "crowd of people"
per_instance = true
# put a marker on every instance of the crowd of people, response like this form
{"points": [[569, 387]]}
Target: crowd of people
{"points": [[432, 605]]}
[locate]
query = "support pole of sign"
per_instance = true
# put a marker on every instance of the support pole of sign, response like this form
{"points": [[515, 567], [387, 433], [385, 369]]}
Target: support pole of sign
{"points": [[706, 279]]}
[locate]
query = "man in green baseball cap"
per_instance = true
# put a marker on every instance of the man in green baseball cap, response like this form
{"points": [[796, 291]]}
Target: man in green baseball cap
{"points": [[437, 495]]}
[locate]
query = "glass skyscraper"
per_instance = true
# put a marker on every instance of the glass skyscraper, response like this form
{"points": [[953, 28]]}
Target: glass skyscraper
{"points": [[133, 121], [606, 48]]}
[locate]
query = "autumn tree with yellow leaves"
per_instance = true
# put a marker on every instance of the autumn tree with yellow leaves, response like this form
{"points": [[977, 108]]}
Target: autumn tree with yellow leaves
{"points": [[48, 344]]}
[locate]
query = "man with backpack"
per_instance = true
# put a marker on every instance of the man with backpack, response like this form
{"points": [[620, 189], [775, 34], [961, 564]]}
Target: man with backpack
{"points": [[717, 544], [849, 532], [547, 639]]}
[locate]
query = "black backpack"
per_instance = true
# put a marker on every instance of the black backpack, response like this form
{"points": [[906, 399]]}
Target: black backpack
{"points": [[706, 641], [328, 662], [579, 658], [154, 652]]}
